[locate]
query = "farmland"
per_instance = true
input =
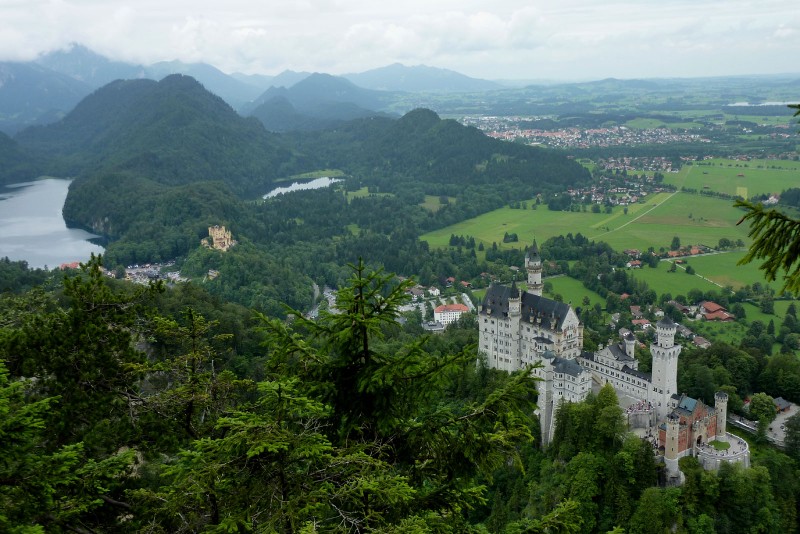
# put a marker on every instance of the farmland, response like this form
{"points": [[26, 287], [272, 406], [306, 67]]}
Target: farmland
{"points": [[694, 219], [728, 176]]}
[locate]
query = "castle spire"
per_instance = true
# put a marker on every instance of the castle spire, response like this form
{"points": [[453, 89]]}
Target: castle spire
{"points": [[533, 264]]}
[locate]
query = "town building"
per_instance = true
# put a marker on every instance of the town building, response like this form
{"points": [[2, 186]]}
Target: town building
{"points": [[449, 313], [711, 311]]}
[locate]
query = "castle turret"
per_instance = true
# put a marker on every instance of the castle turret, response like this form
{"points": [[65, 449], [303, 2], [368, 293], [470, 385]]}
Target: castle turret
{"points": [[665, 332], [546, 398], [630, 344], [665, 366], [533, 264], [671, 445], [514, 301], [721, 407]]}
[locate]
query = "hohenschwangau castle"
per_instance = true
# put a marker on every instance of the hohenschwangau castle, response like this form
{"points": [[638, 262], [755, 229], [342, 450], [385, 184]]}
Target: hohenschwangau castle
{"points": [[523, 328]]}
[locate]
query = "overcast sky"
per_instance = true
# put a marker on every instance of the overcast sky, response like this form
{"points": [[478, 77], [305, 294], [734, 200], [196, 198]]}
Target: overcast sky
{"points": [[492, 39]]}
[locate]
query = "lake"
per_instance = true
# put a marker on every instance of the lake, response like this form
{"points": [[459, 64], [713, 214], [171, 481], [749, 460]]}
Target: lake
{"points": [[33, 227], [319, 183]]}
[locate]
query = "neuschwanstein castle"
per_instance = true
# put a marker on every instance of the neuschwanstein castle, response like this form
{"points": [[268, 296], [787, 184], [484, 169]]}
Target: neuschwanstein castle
{"points": [[524, 328]]}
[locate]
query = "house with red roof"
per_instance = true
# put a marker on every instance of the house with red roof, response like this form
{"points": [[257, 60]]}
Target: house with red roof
{"points": [[711, 311], [449, 313]]}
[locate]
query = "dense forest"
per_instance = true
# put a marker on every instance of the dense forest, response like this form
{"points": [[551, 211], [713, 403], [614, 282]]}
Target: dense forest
{"points": [[128, 409]]}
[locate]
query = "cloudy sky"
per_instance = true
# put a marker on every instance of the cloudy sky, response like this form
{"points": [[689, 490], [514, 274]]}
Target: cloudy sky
{"points": [[492, 39]]}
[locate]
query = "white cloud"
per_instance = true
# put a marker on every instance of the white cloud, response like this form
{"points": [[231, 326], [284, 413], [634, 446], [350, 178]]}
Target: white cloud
{"points": [[505, 39]]}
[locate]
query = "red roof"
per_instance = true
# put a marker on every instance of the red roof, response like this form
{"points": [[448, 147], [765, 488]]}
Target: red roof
{"points": [[451, 308], [711, 307], [719, 315]]}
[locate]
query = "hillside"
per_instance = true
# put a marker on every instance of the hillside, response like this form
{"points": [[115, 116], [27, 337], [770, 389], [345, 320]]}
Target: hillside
{"points": [[14, 164], [322, 96], [440, 156], [174, 132], [235, 92]]}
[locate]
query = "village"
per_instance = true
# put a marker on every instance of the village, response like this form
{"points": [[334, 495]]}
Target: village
{"points": [[507, 128]]}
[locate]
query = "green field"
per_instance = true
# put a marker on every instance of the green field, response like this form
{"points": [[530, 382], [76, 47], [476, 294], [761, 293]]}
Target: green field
{"points": [[728, 176], [694, 219], [678, 283], [712, 272], [650, 123], [572, 290]]}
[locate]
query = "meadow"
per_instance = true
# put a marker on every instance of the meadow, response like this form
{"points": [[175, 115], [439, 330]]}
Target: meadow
{"points": [[733, 177], [695, 219], [573, 291]]}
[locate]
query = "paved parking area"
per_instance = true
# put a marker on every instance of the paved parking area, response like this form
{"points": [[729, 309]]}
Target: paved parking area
{"points": [[776, 430]]}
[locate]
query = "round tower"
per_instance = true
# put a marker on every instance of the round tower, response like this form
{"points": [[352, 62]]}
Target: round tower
{"points": [[665, 332], [672, 445], [514, 300], [533, 264], [665, 366], [721, 407], [630, 344], [546, 400]]}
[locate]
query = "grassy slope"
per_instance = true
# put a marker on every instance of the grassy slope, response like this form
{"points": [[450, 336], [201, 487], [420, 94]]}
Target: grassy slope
{"points": [[652, 223], [722, 176]]}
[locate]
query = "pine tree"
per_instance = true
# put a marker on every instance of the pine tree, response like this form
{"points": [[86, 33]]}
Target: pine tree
{"points": [[776, 240]]}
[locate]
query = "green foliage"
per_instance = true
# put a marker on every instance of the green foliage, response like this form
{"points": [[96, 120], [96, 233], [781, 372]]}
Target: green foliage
{"points": [[16, 277], [762, 407], [776, 240], [85, 355], [793, 437], [41, 485], [349, 431]]}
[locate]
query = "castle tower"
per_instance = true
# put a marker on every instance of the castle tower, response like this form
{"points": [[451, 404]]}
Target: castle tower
{"points": [[721, 407], [545, 402], [630, 344], [514, 301], [671, 444], [665, 366], [533, 264]]}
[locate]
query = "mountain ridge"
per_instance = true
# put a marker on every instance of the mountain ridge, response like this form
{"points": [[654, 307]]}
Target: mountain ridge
{"points": [[419, 78]]}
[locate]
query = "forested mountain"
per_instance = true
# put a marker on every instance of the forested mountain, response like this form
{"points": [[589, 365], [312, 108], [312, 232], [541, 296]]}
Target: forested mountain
{"points": [[420, 78], [322, 96], [174, 132], [442, 155], [32, 94], [279, 115], [233, 91], [14, 164]]}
